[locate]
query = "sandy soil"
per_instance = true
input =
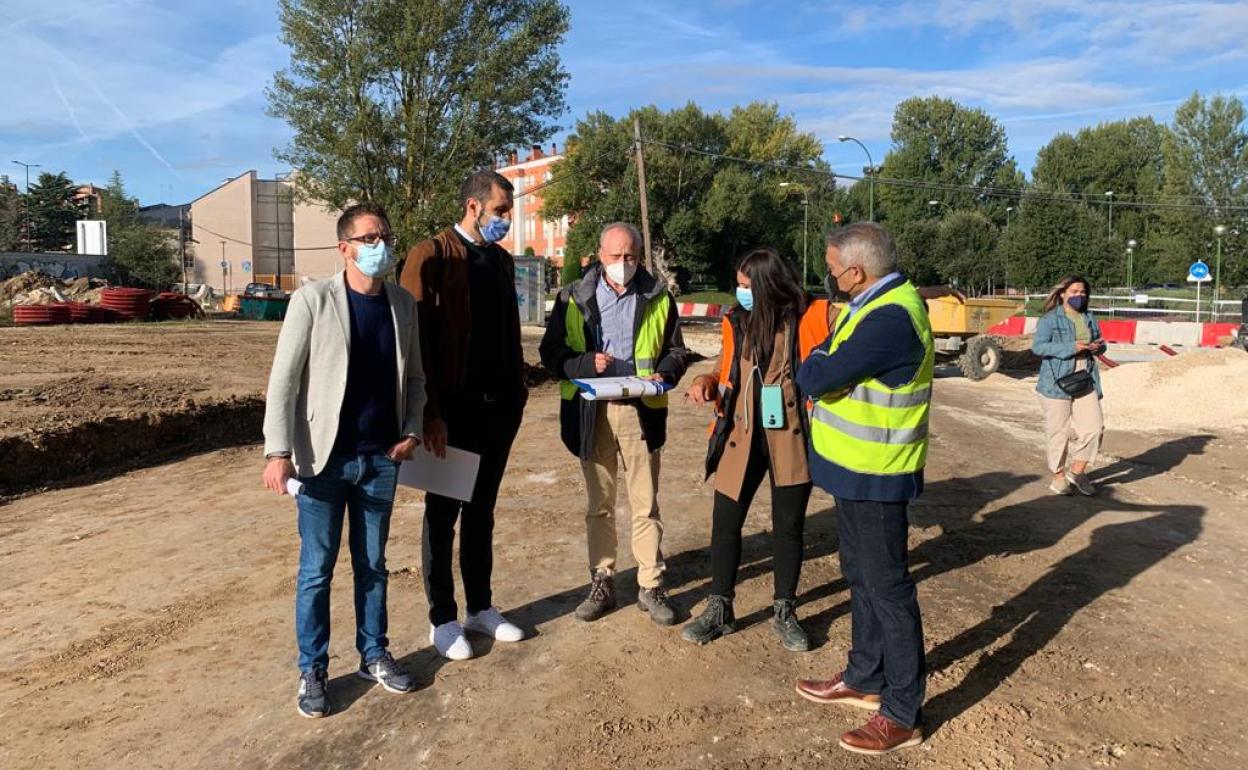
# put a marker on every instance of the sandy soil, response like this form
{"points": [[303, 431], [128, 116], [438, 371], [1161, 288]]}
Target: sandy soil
{"points": [[145, 620]]}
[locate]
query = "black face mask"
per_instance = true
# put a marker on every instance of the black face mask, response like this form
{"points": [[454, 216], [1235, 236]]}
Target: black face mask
{"points": [[834, 292], [1078, 303]]}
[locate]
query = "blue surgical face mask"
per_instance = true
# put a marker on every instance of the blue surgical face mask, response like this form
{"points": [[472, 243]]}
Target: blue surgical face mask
{"points": [[745, 297], [374, 260], [495, 230]]}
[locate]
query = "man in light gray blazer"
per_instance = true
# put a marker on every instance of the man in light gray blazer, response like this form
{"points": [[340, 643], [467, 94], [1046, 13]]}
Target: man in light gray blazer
{"points": [[345, 407]]}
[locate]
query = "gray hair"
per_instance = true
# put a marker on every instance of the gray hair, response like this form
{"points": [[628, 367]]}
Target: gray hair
{"points": [[866, 245], [630, 228]]}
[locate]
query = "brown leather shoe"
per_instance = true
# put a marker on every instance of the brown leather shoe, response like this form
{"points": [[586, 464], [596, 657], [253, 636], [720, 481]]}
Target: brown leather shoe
{"points": [[880, 735], [835, 690]]}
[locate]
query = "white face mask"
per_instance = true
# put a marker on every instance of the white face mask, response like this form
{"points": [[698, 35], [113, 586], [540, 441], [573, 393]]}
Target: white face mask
{"points": [[621, 272]]}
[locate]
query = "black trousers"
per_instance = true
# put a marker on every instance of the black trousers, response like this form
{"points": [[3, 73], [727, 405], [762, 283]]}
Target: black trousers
{"points": [[487, 428], [788, 521], [886, 653]]}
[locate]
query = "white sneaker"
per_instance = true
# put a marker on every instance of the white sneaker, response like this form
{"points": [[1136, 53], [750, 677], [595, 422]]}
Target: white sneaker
{"points": [[450, 641], [492, 623], [1080, 482]]}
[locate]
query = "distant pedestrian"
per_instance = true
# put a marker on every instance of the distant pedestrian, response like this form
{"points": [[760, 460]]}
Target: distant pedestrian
{"points": [[760, 431], [1068, 340], [872, 385], [345, 402]]}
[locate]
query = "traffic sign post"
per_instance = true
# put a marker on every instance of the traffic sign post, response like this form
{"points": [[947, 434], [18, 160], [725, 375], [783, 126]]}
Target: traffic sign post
{"points": [[1198, 273]]}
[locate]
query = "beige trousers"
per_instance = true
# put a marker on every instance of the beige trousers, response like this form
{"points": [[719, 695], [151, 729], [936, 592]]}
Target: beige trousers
{"points": [[1073, 429], [618, 441]]}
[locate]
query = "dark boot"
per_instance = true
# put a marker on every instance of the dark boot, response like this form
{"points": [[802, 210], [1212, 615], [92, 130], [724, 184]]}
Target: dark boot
{"points": [[655, 602], [601, 599], [715, 621], [791, 633]]}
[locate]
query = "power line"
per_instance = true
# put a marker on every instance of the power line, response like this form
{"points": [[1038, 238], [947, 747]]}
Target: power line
{"points": [[983, 191]]}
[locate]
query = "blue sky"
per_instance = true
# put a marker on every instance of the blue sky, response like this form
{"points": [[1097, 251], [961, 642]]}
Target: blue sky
{"points": [[171, 93]]}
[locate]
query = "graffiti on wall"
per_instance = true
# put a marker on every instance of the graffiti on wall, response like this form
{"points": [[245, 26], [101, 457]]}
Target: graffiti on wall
{"points": [[55, 265]]}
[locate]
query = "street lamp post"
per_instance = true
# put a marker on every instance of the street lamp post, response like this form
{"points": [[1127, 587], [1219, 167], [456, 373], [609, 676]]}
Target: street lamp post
{"points": [[936, 204], [1219, 231], [26, 202], [1109, 196], [1131, 244], [805, 224], [870, 176], [1008, 210]]}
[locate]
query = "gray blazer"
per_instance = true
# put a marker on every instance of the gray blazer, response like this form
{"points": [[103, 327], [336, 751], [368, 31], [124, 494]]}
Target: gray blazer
{"points": [[309, 376]]}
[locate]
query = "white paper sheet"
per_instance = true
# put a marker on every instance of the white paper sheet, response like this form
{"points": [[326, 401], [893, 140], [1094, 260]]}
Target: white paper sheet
{"points": [[294, 487], [453, 476], [616, 388]]}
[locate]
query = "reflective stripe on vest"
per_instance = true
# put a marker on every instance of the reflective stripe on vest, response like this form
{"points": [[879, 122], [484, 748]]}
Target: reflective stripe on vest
{"points": [[647, 343], [872, 428]]}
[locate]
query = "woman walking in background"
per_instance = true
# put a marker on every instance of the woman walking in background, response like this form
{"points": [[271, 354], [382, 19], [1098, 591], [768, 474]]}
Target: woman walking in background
{"points": [[760, 430], [1068, 340]]}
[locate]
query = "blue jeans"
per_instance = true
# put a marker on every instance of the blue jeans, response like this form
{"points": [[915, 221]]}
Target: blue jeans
{"points": [[886, 653], [363, 486]]}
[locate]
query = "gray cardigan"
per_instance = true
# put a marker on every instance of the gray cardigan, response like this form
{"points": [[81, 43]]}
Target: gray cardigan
{"points": [[309, 376], [1054, 342]]}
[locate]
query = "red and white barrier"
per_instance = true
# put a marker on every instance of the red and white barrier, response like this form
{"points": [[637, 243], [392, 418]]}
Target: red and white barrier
{"points": [[700, 310], [1125, 332]]}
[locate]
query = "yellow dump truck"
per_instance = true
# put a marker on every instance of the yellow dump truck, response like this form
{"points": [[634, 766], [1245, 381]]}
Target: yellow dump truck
{"points": [[961, 330]]}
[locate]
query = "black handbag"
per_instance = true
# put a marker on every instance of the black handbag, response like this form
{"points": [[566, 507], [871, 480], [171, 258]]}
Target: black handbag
{"points": [[1077, 383]]}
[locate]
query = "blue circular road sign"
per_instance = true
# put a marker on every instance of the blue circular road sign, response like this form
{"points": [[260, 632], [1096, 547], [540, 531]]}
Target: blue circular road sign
{"points": [[1198, 270]]}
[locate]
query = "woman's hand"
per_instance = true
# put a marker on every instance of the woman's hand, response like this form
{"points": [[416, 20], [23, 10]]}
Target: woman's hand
{"points": [[704, 390]]}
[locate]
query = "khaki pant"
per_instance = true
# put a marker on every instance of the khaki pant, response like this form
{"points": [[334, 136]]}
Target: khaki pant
{"points": [[1073, 429], [618, 441]]}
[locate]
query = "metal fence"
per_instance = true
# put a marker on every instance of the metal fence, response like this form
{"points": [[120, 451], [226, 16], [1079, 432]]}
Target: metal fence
{"points": [[1153, 307]]}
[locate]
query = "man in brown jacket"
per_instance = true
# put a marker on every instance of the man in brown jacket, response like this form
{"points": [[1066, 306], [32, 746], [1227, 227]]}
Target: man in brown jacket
{"points": [[464, 285]]}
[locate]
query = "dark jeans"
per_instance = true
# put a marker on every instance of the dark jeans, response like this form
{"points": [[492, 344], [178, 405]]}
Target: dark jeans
{"points": [[886, 654], [488, 429], [363, 486], [788, 521]]}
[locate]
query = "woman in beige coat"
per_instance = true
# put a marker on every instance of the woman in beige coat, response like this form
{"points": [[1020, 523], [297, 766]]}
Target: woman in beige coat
{"points": [[761, 429]]}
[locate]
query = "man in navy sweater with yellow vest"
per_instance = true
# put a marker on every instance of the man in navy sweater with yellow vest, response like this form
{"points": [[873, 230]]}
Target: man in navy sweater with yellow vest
{"points": [[871, 383]]}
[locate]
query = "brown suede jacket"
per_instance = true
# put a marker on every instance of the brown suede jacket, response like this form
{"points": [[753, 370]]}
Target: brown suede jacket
{"points": [[436, 274]]}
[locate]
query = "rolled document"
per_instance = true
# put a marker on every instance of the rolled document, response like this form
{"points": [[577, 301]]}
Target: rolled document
{"points": [[294, 487]]}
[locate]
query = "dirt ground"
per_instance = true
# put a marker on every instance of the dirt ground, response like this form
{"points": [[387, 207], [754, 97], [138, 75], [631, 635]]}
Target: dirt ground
{"points": [[146, 619]]}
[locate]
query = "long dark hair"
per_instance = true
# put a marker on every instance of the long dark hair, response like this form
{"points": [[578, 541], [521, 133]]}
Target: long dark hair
{"points": [[777, 296], [1055, 296]]}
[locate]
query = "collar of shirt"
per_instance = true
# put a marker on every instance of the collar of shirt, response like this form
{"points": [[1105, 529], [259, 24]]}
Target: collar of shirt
{"points": [[607, 291], [856, 303], [466, 236]]}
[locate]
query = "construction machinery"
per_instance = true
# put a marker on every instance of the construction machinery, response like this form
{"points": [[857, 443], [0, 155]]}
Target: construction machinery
{"points": [[961, 326]]}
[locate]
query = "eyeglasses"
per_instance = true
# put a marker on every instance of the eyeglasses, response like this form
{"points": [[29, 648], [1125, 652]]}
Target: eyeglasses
{"points": [[372, 239]]}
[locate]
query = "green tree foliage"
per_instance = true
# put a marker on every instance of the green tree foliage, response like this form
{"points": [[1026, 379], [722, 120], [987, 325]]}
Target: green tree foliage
{"points": [[571, 271], [1049, 239], [1206, 161], [138, 254], [11, 215], [395, 101], [940, 142], [53, 212], [705, 212]]}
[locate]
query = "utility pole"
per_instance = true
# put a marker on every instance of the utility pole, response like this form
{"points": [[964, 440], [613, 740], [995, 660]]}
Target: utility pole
{"points": [[645, 203], [182, 247], [26, 200]]}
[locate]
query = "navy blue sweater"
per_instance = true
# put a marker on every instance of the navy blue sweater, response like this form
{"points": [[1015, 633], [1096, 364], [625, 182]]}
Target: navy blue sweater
{"points": [[368, 422], [886, 347]]}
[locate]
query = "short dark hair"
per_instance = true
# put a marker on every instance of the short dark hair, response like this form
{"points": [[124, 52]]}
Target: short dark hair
{"points": [[480, 185], [365, 209]]}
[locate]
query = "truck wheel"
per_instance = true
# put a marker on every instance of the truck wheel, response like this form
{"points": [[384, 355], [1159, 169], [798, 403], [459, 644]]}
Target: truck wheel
{"points": [[982, 357]]}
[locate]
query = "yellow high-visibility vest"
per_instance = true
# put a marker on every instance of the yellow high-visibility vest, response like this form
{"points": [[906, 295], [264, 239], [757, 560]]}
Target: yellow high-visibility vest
{"points": [[872, 428], [647, 343]]}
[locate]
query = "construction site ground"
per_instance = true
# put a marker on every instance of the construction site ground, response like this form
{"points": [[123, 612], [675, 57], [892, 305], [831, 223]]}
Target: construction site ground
{"points": [[146, 597]]}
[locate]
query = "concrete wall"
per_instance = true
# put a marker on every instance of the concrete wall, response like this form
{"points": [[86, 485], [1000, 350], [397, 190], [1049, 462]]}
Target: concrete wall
{"points": [[55, 265], [223, 226], [316, 241]]}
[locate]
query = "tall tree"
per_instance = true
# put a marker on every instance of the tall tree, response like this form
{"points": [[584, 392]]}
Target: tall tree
{"points": [[1048, 239], [395, 101], [705, 211], [1206, 161], [940, 142], [138, 254], [53, 212], [11, 215]]}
